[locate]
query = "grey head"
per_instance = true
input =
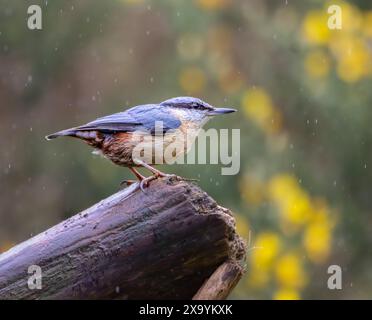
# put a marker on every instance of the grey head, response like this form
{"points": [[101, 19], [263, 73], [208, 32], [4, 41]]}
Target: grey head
{"points": [[193, 109]]}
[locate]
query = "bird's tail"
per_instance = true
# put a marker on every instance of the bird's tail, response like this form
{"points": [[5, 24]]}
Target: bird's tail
{"points": [[67, 132]]}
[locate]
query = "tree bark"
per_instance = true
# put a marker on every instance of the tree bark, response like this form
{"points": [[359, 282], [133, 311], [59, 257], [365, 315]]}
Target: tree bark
{"points": [[166, 243]]}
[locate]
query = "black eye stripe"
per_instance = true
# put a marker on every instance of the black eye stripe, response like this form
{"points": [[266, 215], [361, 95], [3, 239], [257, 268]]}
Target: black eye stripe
{"points": [[195, 106]]}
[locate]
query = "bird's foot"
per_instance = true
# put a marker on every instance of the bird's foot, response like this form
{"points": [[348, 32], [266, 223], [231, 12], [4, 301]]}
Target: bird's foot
{"points": [[173, 176], [144, 183]]}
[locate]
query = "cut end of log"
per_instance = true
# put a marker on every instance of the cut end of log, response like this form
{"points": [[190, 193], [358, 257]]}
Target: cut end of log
{"points": [[172, 242]]}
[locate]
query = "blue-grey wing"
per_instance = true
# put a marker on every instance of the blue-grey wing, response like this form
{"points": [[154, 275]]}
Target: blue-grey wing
{"points": [[121, 121], [141, 118], [155, 115]]}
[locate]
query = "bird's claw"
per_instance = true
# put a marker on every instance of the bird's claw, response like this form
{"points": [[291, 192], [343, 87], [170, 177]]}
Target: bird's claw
{"points": [[176, 177], [144, 183]]}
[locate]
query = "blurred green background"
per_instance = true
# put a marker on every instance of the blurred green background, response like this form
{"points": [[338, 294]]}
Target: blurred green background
{"points": [[303, 196]]}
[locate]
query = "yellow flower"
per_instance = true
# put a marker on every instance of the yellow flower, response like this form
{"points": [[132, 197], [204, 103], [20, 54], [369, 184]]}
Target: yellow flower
{"points": [[264, 252], [213, 4], [192, 80], [351, 16], [242, 226], [266, 249], [298, 209], [354, 61], [315, 27], [286, 294], [257, 106], [294, 204], [317, 237], [281, 186], [317, 242], [289, 272], [322, 213], [367, 24], [317, 64], [353, 57], [341, 45]]}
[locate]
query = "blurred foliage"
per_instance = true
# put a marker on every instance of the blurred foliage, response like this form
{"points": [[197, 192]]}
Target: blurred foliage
{"points": [[302, 197]]}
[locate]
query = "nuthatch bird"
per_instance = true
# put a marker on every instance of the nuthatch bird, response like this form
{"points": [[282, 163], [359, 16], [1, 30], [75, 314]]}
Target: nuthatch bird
{"points": [[113, 135]]}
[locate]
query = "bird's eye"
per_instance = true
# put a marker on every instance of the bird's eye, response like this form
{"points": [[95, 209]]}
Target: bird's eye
{"points": [[202, 107]]}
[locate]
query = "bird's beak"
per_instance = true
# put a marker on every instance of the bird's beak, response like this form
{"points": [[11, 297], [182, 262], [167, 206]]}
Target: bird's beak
{"points": [[217, 111]]}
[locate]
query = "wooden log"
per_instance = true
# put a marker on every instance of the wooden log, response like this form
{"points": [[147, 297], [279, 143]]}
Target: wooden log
{"points": [[164, 244], [221, 282]]}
